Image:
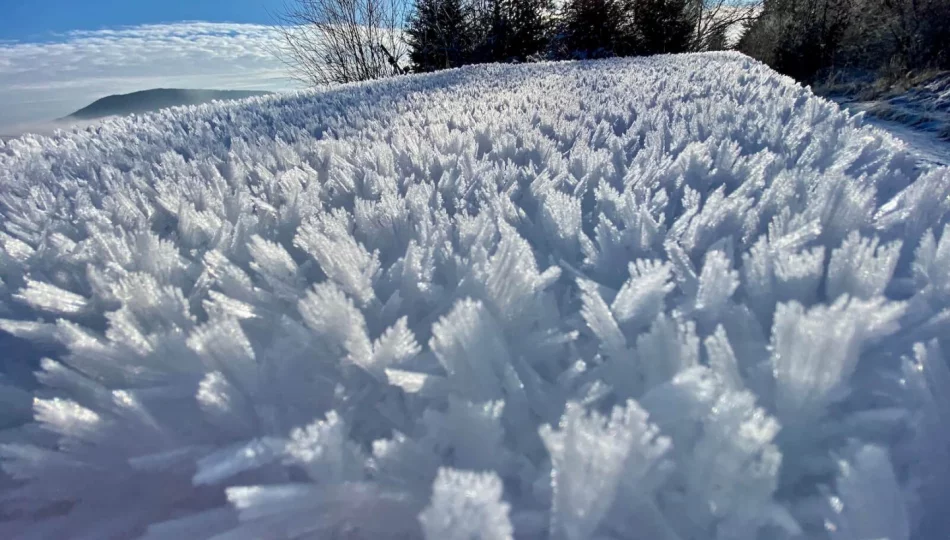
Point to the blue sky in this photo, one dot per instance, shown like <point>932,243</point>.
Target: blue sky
<point>57,56</point>
<point>31,20</point>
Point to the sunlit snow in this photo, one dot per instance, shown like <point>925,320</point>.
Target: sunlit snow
<point>675,298</point>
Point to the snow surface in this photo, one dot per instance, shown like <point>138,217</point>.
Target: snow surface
<point>926,144</point>
<point>676,298</point>
<point>925,105</point>
<point>919,116</point>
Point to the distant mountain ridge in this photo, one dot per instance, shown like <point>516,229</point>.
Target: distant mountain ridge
<point>155,99</point>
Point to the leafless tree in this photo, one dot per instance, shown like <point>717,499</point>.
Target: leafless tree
<point>801,38</point>
<point>920,30</point>
<point>715,20</point>
<point>341,41</point>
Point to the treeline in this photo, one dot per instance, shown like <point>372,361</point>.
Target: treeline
<point>339,41</point>
<point>801,38</point>
<point>807,39</point>
<point>444,34</point>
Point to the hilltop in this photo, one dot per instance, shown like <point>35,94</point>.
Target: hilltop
<point>153,100</point>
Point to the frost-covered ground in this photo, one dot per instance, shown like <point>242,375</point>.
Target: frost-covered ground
<point>926,106</point>
<point>927,144</point>
<point>677,298</point>
<point>919,115</point>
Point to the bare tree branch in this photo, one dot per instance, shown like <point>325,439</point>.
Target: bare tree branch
<point>715,19</point>
<point>341,41</point>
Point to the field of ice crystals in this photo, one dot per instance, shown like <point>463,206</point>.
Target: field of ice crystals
<point>677,298</point>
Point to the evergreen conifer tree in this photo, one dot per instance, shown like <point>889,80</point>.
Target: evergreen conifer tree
<point>439,35</point>
<point>597,28</point>
<point>662,26</point>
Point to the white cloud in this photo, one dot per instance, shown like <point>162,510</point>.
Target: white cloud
<point>43,81</point>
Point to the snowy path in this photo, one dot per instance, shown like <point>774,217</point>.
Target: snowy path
<point>926,145</point>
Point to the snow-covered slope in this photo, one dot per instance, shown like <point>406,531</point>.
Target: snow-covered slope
<point>925,106</point>
<point>919,116</point>
<point>667,298</point>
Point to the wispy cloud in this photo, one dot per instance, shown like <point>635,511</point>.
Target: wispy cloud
<point>46,80</point>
